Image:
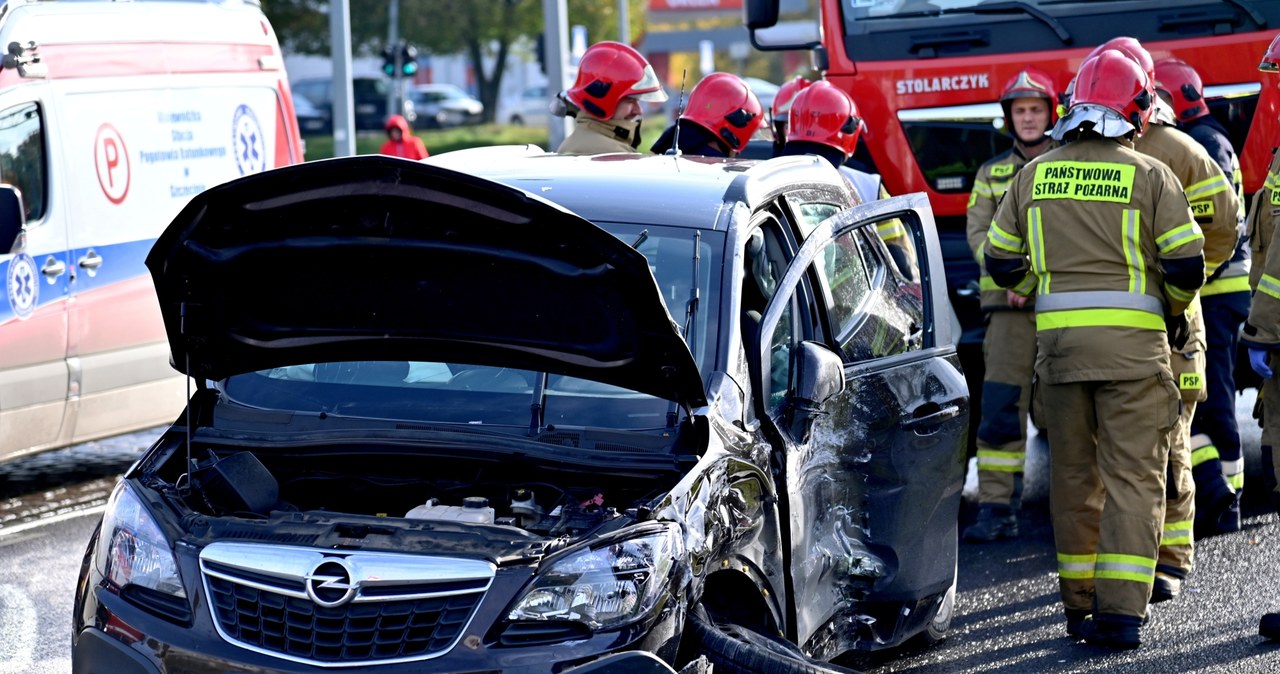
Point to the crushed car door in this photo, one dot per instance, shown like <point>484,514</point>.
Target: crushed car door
<point>873,477</point>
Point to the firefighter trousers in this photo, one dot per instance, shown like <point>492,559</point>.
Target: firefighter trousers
<point>1215,444</point>
<point>1176,547</point>
<point>1109,446</point>
<point>1270,421</point>
<point>1009,354</point>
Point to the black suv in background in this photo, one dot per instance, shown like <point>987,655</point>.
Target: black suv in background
<point>509,411</point>
<point>369,96</point>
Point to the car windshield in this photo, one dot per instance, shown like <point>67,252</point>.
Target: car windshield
<point>506,398</point>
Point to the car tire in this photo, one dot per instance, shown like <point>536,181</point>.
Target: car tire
<point>940,623</point>
<point>740,650</point>
<point>517,120</point>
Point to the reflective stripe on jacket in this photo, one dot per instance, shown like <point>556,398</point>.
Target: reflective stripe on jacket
<point>1263,327</point>
<point>1092,226</point>
<point>989,185</point>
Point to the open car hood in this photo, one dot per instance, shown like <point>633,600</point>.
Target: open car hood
<point>378,258</point>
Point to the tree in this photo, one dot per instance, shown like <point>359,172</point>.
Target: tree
<point>483,30</point>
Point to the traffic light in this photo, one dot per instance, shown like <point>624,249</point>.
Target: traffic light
<point>401,55</point>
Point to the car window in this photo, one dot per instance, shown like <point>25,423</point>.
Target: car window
<point>22,156</point>
<point>470,393</point>
<point>845,285</point>
<point>891,318</point>
<point>810,208</point>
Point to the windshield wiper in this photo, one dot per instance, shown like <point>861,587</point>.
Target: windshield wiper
<point>538,407</point>
<point>1028,8</point>
<point>690,312</point>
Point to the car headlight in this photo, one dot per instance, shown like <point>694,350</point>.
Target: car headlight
<point>132,550</point>
<point>603,587</point>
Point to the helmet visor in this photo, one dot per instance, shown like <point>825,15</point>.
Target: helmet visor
<point>648,89</point>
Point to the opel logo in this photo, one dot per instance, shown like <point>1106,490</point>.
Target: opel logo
<point>329,583</point>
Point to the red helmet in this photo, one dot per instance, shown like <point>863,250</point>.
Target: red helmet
<point>1113,81</point>
<point>609,72</point>
<point>1030,83</point>
<point>786,96</point>
<point>1133,49</point>
<point>1182,83</point>
<point>724,105</point>
<point>1271,60</point>
<point>824,114</point>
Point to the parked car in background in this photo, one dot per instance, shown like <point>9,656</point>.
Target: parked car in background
<point>527,418</point>
<point>311,119</point>
<point>530,108</point>
<point>369,96</point>
<point>443,105</point>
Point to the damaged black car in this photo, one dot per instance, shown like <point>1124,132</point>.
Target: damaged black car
<point>506,411</point>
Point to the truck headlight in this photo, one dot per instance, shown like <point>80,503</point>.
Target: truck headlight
<point>603,587</point>
<point>132,550</point>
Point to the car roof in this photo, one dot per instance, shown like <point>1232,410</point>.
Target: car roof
<point>686,191</point>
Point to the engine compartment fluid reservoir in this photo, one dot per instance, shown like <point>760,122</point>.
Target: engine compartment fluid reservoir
<point>474,509</point>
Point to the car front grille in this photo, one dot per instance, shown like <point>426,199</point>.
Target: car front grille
<point>290,609</point>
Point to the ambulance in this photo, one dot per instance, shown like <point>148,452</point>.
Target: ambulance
<point>113,115</point>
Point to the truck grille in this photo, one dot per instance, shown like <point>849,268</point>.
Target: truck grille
<point>380,613</point>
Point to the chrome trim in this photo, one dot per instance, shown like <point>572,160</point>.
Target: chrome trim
<point>382,570</point>
<point>1232,90</point>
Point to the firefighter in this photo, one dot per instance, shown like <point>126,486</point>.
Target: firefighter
<point>1261,332</point>
<point>1009,345</point>
<point>722,115</point>
<point>824,121</point>
<point>1105,239</point>
<point>613,81</point>
<point>1215,436</point>
<point>782,108</point>
<point>1214,205</point>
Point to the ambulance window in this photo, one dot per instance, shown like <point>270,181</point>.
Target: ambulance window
<point>22,156</point>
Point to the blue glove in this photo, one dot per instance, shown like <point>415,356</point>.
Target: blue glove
<point>1258,361</point>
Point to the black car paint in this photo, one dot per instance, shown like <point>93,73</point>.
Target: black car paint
<point>867,558</point>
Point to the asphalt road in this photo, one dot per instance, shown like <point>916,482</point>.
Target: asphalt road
<point>1008,616</point>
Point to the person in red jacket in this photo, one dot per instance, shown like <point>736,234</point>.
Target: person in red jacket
<point>400,140</point>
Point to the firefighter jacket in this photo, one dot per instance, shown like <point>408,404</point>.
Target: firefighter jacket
<point>592,136</point>
<point>988,186</point>
<point>1262,330</point>
<point>1213,202</point>
<point>1105,238</point>
<point>1234,275</point>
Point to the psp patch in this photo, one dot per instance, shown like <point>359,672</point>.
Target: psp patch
<point>23,283</point>
<point>247,142</point>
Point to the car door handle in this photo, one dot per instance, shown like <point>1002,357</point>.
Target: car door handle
<point>90,262</point>
<point>929,416</point>
<point>53,268</point>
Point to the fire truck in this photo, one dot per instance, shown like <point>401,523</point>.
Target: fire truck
<point>927,77</point>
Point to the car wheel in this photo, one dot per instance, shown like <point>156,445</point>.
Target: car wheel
<point>737,649</point>
<point>936,629</point>
<point>517,120</point>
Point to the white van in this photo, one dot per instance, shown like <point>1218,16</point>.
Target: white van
<point>112,116</point>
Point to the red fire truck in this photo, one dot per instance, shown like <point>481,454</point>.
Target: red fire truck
<point>927,76</point>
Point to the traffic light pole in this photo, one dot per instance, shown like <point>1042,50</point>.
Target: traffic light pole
<point>344,121</point>
<point>393,43</point>
<point>555,24</point>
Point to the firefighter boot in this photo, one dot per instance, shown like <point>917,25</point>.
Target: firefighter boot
<point>1230,519</point>
<point>1269,626</point>
<point>1166,586</point>
<point>994,522</point>
<point>1214,497</point>
<point>1113,631</point>
<point>1075,619</point>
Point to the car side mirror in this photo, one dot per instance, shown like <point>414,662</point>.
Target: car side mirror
<point>819,378</point>
<point>761,14</point>
<point>12,218</point>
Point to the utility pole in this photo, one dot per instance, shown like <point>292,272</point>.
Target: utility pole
<point>393,40</point>
<point>555,25</point>
<point>344,122</point>
<point>624,22</point>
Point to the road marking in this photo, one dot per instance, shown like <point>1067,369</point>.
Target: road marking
<point>18,631</point>
<point>52,519</point>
